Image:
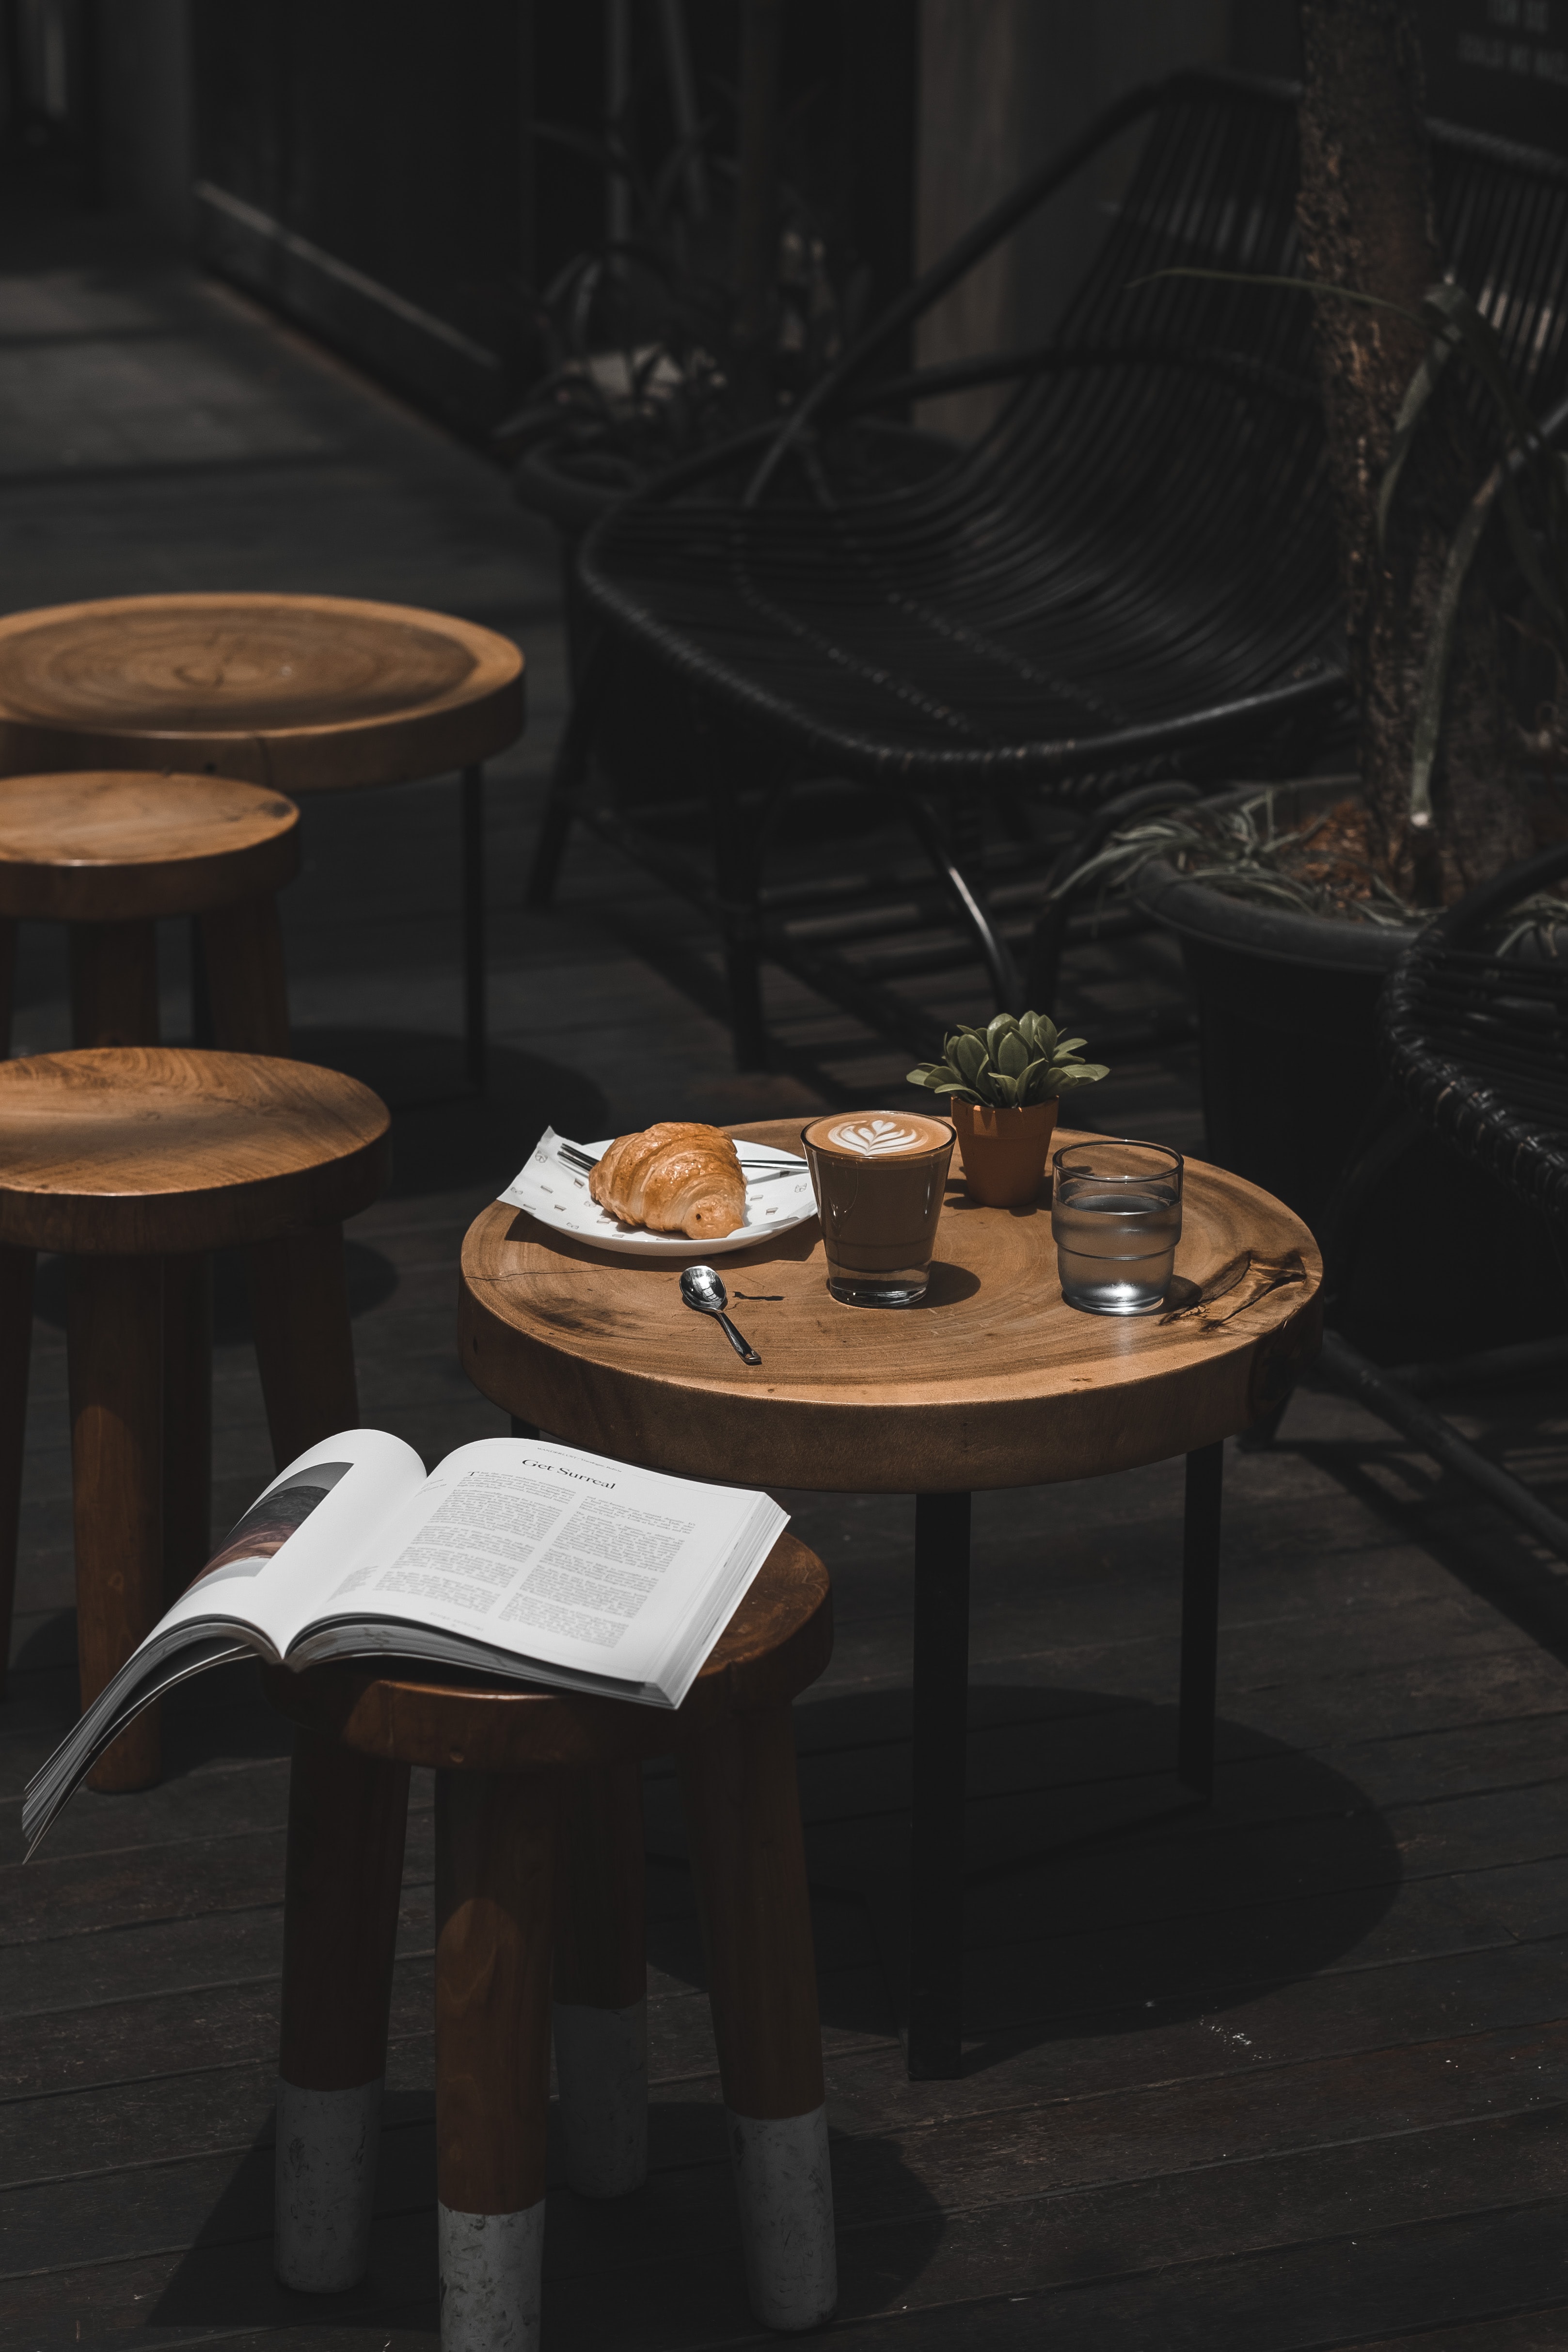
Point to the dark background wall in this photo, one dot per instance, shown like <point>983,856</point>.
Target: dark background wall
<point>370,165</point>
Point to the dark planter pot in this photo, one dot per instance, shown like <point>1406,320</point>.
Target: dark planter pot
<point>1443,1262</point>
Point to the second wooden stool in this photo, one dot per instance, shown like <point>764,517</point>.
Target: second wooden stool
<point>136,1163</point>
<point>110,853</point>
<point>539,1873</point>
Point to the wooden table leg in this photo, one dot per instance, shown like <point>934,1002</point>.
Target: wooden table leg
<point>247,990</point>
<point>601,2015</point>
<point>474,963</point>
<point>9,929</point>
<point>495,1866</point>
<point>187,1420</point>
<point>304,1346</point>
<point>15,1352</point>
<point>743,1810</point>
<point>940,1735</point>
<point>347,1817</point>
<point>114,983</point>
<point>115,1338</point>
<point>1199,1619</point>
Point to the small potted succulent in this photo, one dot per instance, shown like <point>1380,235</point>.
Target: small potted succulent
<point>1002,1083</point>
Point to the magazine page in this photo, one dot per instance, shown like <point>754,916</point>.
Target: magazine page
<point>269,1571</point>
<point>325,1507</point>
<point>539,1549</point>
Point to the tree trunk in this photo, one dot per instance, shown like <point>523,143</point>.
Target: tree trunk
<point>1367,221</point>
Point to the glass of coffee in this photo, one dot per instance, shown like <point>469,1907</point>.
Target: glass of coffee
<point>879,1177</point>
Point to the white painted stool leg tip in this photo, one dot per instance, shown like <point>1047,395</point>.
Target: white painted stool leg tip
<point>324,2174</point>
<point>784,2186</point>
<point>490,2265</point>
<point>601,2068</point>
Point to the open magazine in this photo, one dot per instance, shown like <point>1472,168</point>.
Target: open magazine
<point>517,1557</point>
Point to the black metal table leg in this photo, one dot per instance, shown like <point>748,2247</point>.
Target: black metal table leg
<point>940,1744</point>
<point>474,1038</point>
<point>1199,1619</point>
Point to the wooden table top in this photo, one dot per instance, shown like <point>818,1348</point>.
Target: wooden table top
<point>298,693</point>
<point>991,1381</point>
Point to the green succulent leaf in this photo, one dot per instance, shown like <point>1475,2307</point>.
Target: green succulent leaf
<point>967,1053</point>
<point>1012,1055</point>
<point>1007,1089</point>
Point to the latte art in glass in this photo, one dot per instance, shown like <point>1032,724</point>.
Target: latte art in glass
<point>882,1139</point>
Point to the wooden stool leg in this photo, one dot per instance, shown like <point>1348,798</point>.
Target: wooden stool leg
<point>495,1861</point>
<point>737,1784</point>
<point>247,991</point>
<point>9,929</point>
<point>347,1816</point>
<point>114,984</point>
<point>187,1420</point>
<point>601,2015</point>
<point>115,1338</point>
<point>300,1310</point>
<point>15,1348</point>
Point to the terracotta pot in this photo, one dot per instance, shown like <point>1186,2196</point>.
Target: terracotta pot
<point>1003,1151</point>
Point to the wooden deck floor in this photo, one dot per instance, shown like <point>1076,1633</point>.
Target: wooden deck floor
<point>1288,2073</point>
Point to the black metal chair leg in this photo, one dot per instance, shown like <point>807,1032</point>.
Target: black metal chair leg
<point>567,774</point>
<point>1199,1619</point>
<point>940,1754</point>
<point>474,961</point>
<point>994,953</point>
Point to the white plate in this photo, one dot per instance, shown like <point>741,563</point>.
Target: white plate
<point>558,1195</point>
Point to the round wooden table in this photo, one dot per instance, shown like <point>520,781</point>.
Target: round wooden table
<point>991,1383</point>
<point>300,694</point>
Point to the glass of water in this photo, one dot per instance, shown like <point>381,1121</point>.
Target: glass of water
<point>1116,1211</point>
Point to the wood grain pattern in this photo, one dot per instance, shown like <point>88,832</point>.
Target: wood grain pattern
<point>116,847</point>
<point>494,1869</point>
<point>298,693</point>
<point>169,1149</point>
<point>992,1381</point>
<point>779,1640</point>
<point>740,1796</point>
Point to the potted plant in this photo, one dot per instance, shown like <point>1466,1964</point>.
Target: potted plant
<point>1292,902</point>
<point>1004,1083</point>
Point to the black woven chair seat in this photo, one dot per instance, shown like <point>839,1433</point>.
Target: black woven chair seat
<point>1478,1042</point>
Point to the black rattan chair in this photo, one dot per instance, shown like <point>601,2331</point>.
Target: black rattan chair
<point>1476,1044</point>
<point>1131,575</point>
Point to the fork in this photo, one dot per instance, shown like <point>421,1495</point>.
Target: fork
<point>765,1169</point>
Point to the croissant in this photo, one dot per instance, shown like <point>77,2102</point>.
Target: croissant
<point>678,1177</point>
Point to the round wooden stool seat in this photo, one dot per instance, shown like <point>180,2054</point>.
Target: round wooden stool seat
<point>303,693</point>
<point>117,846</point>
<point>779,1640</point>
<point>133,1151</point>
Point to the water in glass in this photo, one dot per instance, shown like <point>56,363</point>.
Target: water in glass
<point>1115,1246</point>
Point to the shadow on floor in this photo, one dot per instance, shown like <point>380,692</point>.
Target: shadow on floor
<point>662,2265</point>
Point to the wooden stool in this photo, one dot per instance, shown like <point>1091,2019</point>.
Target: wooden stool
<point>538,1871</point>
<point>138,1163</point>
<point>109,854</point>
<point>299,694</point>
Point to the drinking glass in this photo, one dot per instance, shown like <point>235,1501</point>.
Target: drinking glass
<point>1116,1212</point>
<point>879,1179</point>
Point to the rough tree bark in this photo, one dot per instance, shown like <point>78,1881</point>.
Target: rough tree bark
<point>1367,221</point>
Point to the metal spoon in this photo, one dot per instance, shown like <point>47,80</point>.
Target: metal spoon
<point>700,1288</point>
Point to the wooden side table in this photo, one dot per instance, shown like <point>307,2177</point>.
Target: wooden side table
<point>538,1809</point>
<point>991,1383</point>
<point>136,1163</point>
<point>111,854</point>
<point>301,693</point>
